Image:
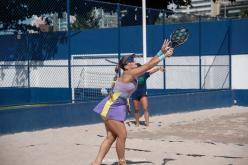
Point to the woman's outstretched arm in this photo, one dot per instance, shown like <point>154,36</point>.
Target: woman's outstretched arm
<point>166,51</point>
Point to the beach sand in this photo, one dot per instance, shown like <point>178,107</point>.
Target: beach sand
<point>206,137</point>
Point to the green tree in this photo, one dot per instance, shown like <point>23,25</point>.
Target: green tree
<point>244,13</point>
<point>14,13</point>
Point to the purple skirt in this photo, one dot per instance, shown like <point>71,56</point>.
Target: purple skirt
<point>115,110</point>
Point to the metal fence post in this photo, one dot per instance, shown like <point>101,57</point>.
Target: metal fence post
<point>229,53</point>
<point>29,57</point>
<point>69,48</point>
<point>27,44</point>
<point>119,32</point>
<point>164,64</point>
<point>200,62</point>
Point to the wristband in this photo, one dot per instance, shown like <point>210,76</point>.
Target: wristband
<point>160,53</point>
<point>162,57</point>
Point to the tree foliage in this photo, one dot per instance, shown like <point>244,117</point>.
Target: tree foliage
<point>244,13</point>
<point>15,13</point>
<point>155,4</point>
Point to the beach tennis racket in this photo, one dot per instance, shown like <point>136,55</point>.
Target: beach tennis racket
<point>179,37</point>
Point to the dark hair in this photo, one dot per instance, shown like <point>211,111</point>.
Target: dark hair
<point>138,64</point>
<point>122,63</point>
<point>125,60</point>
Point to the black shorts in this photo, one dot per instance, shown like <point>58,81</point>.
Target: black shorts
<point>138,97</point>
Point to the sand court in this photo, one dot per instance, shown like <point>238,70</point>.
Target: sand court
<point>213,136</point>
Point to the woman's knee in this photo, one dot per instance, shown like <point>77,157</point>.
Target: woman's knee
<point>111,137</point>
<point>145,110</point>
<point>117,129</point>
<point>122,135</point>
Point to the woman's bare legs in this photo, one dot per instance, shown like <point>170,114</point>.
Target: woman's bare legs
<point>105,146</point>
<point>136,111</point>
<point>118,128</point>
<point>144,103</point>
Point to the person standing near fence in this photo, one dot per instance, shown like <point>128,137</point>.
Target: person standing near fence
<point>140,95</point>
<point>113,108</point>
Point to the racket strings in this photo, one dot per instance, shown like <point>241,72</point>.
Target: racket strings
<point>179,36</point>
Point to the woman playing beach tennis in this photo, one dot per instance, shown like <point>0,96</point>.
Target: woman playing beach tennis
<point>113,108</point>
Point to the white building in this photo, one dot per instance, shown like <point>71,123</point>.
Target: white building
<point>198,7</point>
<point>222,8</point>
<point>233,9</point>
<point>107,19</point>
<point>59,23</point>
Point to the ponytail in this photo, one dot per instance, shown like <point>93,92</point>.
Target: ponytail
<point>117,74</point>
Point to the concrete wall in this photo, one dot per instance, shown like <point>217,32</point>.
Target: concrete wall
<point>65,115</point>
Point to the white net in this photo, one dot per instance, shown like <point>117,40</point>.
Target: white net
<point>92,75</point>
